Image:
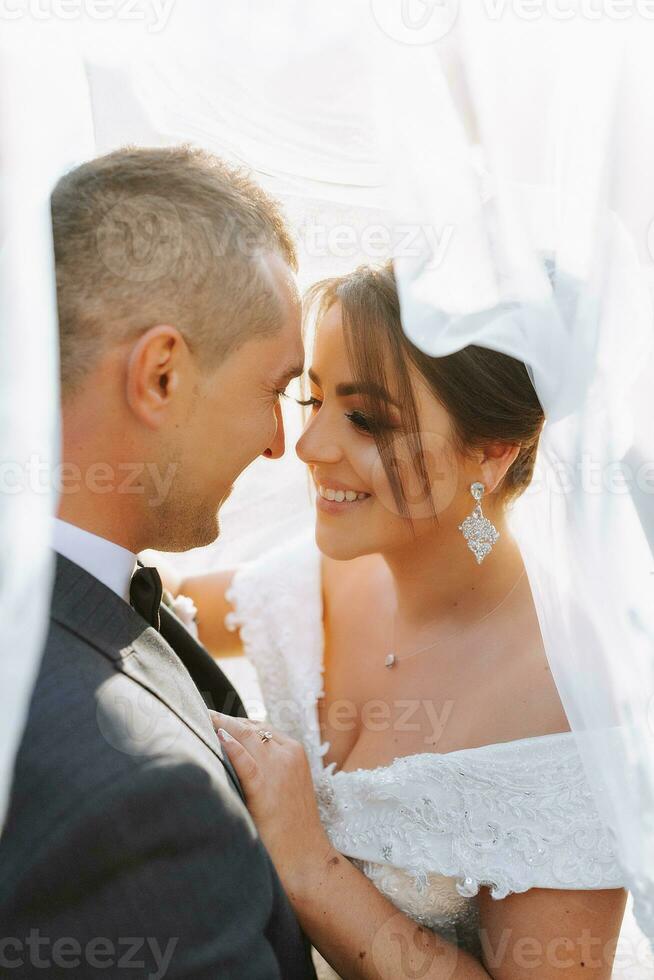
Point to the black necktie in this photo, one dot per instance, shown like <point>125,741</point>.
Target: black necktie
<point>145,593</point>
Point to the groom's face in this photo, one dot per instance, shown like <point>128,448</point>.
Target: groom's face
<point>232,417</point>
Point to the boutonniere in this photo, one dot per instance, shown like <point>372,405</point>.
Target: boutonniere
<point>185,610</point>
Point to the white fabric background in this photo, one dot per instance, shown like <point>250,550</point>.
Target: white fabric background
<point>288,90</point>
<point>37,139</point>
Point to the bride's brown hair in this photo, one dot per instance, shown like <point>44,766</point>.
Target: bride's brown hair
<point>488,395</point>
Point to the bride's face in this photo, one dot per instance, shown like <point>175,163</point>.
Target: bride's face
<point>346,464</point>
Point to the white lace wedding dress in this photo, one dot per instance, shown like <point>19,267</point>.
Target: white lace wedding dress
<point>427,829</point>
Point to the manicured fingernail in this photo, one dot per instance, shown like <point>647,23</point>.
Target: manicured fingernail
<point>224,736</point>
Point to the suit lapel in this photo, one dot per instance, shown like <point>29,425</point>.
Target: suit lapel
<point>89,609</point>
<point>155,666</point>
<point>216,689</point>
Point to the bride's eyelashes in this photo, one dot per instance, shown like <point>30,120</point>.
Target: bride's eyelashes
<point>361,421</point>
<point>358,419</point>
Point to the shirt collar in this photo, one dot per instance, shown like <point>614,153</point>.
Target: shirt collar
<point>110,563</point>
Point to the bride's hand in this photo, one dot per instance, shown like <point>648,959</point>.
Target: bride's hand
<point>278,788</point>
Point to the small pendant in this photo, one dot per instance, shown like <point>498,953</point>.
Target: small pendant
<point>390,660</point>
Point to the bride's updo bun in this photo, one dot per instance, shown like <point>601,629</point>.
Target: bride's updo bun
<point>489,396</point>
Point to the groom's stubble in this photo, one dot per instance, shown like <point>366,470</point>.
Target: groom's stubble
<point>178,511</point>
<point>187,519</point>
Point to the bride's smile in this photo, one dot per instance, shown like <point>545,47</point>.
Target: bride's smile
<point>334,498</point>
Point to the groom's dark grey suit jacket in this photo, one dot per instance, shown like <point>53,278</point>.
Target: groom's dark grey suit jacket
<point>128,850</point>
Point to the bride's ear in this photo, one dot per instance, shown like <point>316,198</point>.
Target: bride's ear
<point>497,458</point>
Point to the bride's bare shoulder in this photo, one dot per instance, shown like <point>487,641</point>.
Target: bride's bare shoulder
<point>521,682</point>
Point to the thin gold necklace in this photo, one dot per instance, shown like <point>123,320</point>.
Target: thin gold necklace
<point>392,659</point>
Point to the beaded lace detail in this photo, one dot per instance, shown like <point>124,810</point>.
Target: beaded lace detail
<point>512,816</point>
<point>429,829</point>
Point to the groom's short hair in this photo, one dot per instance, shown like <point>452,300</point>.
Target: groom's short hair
<point>167,235</point>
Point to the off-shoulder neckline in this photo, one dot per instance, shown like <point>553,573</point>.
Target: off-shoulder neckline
<point>400,759</point>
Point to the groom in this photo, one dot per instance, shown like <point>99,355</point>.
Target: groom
<point>128,850</point>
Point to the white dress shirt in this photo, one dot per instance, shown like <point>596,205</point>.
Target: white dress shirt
<point>112,564</point>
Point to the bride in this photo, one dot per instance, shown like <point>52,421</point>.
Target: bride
<point>416,782</point>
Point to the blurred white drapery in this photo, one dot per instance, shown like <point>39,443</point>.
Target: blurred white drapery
<point>486,140</point>
<point>44,127</point>
<point>549,213</point>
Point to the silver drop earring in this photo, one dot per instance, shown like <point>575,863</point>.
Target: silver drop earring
<point>480,533</point>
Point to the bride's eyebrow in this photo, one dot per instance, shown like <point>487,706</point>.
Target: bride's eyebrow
<point>369,388</point>
<point>345,389</point>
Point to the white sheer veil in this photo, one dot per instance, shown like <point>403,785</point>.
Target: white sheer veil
<point>545,261</point>
<point>41,132</point>
<point>497,142</point>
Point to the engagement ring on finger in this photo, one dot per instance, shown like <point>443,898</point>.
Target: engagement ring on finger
<point>264,736</point>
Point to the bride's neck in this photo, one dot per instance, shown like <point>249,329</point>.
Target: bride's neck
<point>436,576</point>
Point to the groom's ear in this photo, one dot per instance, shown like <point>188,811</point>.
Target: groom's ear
<point>154,368</point>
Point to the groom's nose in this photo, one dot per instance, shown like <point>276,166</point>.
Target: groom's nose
<point>276,448</point>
